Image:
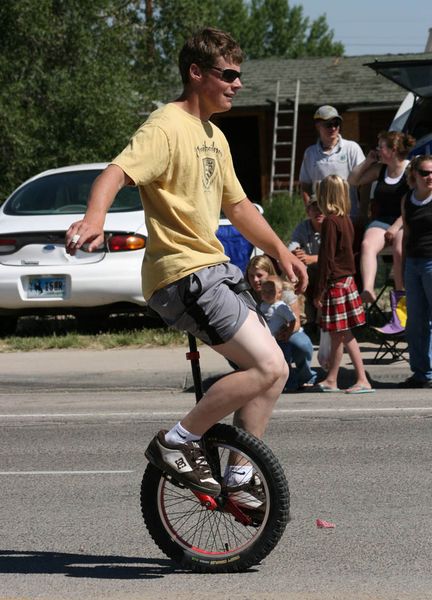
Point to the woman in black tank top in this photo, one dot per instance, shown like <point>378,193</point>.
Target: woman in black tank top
<point>417,225</point>
<point>386,165</point>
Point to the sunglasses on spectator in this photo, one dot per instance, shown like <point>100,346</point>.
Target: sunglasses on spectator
<point>332,124</point>
<point>228,75</point>
<point>423,172</point>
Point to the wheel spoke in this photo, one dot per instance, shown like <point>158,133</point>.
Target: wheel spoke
<point>198,527</point>
<point>212,538</point>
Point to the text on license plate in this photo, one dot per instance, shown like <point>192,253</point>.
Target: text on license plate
<point>46,287</point>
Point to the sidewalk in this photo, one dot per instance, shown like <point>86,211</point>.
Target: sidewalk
<point>150,368</point>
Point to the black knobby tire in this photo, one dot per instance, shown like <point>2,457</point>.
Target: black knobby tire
<point>208,541</point>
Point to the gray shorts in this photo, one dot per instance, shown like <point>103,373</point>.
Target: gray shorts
<point>205,304</point>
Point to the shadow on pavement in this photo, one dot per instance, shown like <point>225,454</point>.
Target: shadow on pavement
<point>346,378</point>
<point>84,565</point>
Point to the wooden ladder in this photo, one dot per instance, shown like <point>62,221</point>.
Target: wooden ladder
<point>284,142</point>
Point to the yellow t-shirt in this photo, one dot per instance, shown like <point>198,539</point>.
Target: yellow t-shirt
<point>184,171</point>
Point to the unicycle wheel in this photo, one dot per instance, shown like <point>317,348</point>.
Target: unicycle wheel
<point>218,535</point>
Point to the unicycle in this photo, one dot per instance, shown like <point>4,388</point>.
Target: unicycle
<point>217,535</point>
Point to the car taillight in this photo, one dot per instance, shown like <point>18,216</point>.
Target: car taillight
<point>122,243</point>
<point>7,245</point>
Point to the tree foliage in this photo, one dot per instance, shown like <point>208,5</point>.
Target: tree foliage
<point>66,91</point>
<point>77,76</point>
<point>276,29</point>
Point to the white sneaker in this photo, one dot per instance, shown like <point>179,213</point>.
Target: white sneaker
<point>185,462</point>
<point>248,495</point>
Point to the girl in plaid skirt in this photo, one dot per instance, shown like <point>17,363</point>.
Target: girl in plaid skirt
<point>336,292</point>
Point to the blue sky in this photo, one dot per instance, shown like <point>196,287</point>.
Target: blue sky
<point>375,26</point>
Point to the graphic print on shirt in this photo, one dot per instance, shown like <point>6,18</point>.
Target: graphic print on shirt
<point>209,166</point>
<point>208,155</point>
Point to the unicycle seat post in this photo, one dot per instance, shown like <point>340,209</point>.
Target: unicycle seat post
<point>193,356</point>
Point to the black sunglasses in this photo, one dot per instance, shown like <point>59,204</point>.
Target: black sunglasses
<point>331,124</point>
<point>423,172</point>
<point>228,75</point>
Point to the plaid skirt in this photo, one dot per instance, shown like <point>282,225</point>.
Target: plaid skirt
<point>342,307</point>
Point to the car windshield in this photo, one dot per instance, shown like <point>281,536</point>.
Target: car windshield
<point>65,193</point>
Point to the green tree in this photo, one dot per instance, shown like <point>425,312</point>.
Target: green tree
<point>264,28</point>
<point>77,77</point>
<point>67,92</point>
<point>275,29</point>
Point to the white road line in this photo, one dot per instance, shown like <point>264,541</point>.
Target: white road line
<point>75,415</point>
<point>64,472</point>
<point>156,414</point>
<point>354,410</point>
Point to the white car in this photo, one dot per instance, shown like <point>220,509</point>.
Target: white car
<point>37,276</point>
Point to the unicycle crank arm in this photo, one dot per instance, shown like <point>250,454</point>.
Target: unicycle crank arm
<point>206,501</point>
<point>237,513</point>
<point>230,507</point>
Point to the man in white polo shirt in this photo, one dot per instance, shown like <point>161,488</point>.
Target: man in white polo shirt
<point>331,155</point>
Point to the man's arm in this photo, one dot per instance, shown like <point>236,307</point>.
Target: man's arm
<point>252,225</point>
<point>102,194</point>
<point>306,178</point>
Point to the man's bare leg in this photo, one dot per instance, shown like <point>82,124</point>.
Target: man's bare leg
<point>250,393</point>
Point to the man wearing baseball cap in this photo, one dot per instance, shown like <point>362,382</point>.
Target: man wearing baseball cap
<point>331,155</point>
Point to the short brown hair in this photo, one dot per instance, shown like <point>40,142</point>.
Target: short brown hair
<point>400,142</point>
<point>204,48</point>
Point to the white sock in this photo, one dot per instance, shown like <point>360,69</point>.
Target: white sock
<point>179,435</point>
<point>237,475</point>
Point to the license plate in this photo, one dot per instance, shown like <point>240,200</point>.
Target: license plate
<point>46,287</point>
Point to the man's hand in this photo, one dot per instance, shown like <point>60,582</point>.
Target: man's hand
<point>90,229</point>
<point>301,254</point>
<point>307,259</point>
<point>295,270</point>
<point>83,232</point>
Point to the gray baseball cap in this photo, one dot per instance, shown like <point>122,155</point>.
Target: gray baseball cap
<point>327,112</point>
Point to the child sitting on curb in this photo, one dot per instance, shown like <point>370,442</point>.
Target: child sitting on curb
<point>295,345</point>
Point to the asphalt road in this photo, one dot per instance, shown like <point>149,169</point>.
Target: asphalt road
<point>71,463</point>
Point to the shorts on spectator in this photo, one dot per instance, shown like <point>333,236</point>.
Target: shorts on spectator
<point>381,223</point>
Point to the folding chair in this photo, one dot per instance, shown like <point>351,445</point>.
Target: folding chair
<point>391,336</point>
